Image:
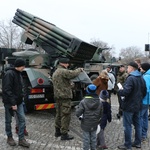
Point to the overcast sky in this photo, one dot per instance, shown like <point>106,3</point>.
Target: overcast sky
<point>120,23</point>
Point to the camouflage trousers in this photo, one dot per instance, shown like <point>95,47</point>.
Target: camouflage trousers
<point>63,115</point>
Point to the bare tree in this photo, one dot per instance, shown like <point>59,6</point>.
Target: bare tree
<point>130,53</point>
<point>10,35</point>
<point>104,50</point>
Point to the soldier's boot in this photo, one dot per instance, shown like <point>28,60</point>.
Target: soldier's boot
<point>11,141</point>
<point>66,136</point>
<point>57,132</point>
<point>24,143</point>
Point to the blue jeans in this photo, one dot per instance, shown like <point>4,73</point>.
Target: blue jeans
<point>21,119</point>
<point>144,121</point>
<point>130,118</point>
<point>89,140</point>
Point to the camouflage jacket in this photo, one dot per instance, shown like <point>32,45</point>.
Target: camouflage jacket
<point>121,77</point>
<point>62,82</point>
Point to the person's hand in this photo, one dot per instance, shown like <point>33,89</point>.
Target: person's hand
<point>14,107</point>
<point>81,69</point>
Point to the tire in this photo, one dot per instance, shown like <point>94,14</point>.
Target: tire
<point>93,77</point>
<point>28,106</point>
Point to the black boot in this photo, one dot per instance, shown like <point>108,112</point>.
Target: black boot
<point>66,137</point>
<point>57,132</point>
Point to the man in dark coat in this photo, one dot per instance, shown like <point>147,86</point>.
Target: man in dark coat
<point>63,95</point>
<point>132,93</point>
<point>12,84</point>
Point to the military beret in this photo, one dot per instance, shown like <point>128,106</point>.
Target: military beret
<point>64,60</point>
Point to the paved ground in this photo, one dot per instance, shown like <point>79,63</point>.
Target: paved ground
<point>40,125</point>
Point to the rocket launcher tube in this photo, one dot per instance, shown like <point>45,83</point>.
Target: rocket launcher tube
<point>36,32</point>
<point>46,24</point>
<point>47,31</point>
<point>42,32</point>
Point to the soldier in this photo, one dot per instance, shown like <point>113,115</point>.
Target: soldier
<point>121,77</point>
<point>63,94</point>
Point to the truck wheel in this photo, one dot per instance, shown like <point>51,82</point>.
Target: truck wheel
<point>93,77</point>
<point>29,107</point>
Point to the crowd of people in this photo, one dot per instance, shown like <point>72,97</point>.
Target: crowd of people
<point>94,110</point>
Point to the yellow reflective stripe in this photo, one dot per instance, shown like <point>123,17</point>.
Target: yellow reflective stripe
<point>88,97</point>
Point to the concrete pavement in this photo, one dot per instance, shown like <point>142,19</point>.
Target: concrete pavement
<point>40,125</point>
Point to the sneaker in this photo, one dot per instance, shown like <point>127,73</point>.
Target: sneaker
<point>118,116</point>
<point>143,139</point>
<point>16,129</point>
<point>136,145</point>
<point>24,143</point>
<point>102,147</point>
<point>66,137</point>
<point>25,132</point>
<point>11,141</point>
<point>123,147</point>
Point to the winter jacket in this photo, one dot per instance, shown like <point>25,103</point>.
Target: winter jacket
<point>106,114</point>
<point>134,90</point>
<point>62,82</point>
<point>146,76</point>
<point>12,87</point>
<point>121,77</point>
<point>111,81</point>
<point>101,83</point>
<point>91,109</point>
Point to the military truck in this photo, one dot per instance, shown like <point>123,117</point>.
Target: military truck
<point>54,43</point>
<point>50,43</point>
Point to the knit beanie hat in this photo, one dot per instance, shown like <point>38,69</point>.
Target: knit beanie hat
<point>145,66</point>
<point>104,95</point>
<point>133,64</point>
<point>91,89</point>
<point>19,62</point>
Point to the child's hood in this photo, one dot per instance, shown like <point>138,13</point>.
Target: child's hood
<point>92,102</point>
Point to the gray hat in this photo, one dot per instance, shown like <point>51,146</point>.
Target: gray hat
<point>133,64</point>
<point>19,62</point>
<point>104,94</point>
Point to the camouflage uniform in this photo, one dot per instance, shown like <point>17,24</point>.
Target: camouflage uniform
<point>63,95</point>
<point>121,77</point>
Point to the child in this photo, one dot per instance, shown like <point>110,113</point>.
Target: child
<point>90,108</point>
<point>104,95</point>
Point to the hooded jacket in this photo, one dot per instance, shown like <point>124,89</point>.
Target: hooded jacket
<point>134,90</point>
<point>101,82</point>
<point>12,84</point>
<point>91,109</point>
<point>146,76</point>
